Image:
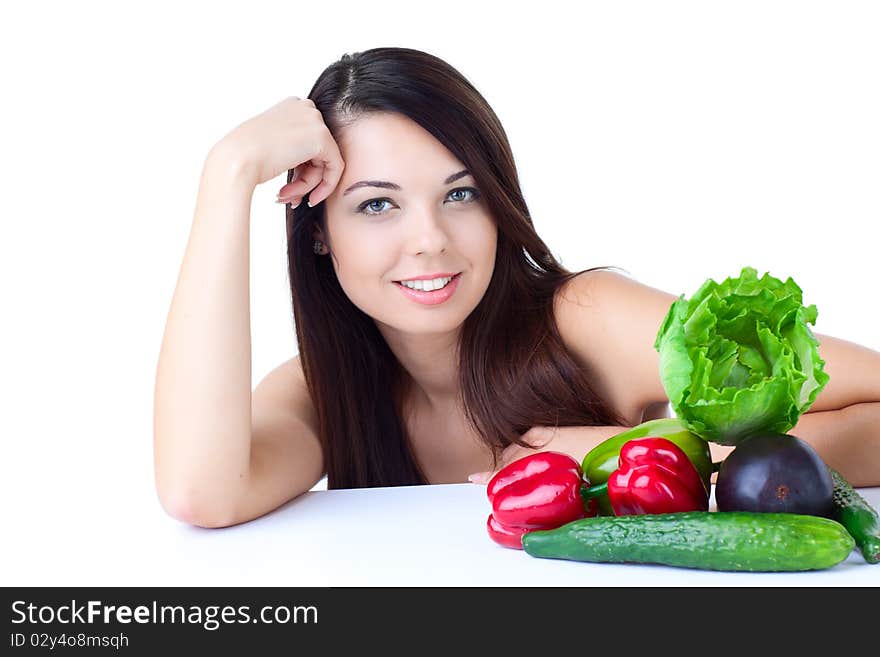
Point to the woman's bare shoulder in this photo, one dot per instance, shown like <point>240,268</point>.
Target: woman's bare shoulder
<point>609,321</point>
<point>284,387</point>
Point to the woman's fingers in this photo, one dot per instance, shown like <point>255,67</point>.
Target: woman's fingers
<point>508,455</point>
<point>321,174</point>
<point>480,477</point>
<point>332,173</point>
<point>309,176</point>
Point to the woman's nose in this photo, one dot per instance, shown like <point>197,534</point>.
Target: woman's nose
<point>428,232</point>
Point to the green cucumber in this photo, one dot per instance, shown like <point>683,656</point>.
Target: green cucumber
<point>855,513</point>
<point>709,540</point>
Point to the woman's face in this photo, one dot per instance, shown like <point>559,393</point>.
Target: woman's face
<point>378,236</point>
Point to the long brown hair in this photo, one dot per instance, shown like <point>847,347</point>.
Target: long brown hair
<point>515,372</point>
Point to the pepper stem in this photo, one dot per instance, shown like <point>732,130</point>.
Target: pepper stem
<point>588,493</point>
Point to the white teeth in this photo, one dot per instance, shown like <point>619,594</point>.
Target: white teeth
<point>427,286</point>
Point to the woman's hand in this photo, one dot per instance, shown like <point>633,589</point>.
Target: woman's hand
<point>289,135</point>
<point>574,441</point>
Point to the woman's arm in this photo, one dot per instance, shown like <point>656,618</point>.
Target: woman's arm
<point>853,371</point>
<point>202,397</point>
<point>843,424</point>
<point>609,322</point>
<point>847,439</point>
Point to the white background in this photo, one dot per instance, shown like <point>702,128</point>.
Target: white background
<point>677,140</point>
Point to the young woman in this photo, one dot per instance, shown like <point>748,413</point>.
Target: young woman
<point>398,172</point>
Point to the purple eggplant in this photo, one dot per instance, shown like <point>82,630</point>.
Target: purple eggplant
<point>775,472</point>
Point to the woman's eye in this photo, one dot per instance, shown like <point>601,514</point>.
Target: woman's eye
<point>374,206</point>
<point>474,193</point>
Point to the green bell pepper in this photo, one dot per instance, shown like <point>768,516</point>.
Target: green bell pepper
<point>603,459</point>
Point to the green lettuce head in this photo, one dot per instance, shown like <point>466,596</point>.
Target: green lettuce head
<point>738,358</point>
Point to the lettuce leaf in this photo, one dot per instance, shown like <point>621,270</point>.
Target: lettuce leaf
<point>739,358</point>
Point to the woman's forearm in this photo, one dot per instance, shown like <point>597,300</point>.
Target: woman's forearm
<point>575,441</point>
<point>847,439</point>
<point>202,406</point>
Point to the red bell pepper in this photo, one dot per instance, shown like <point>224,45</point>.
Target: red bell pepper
<point>539,491</point>
<point>655,476</point>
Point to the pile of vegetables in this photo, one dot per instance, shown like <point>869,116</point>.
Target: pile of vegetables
<point>740,365</point>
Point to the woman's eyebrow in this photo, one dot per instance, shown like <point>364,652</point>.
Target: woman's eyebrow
<point>390,185</point>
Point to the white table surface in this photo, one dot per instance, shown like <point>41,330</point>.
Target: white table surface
<point>401,536</point>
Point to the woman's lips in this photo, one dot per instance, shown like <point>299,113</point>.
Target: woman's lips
<point>433,297</point>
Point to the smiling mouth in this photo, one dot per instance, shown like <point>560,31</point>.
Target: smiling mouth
<point>454,277</point>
